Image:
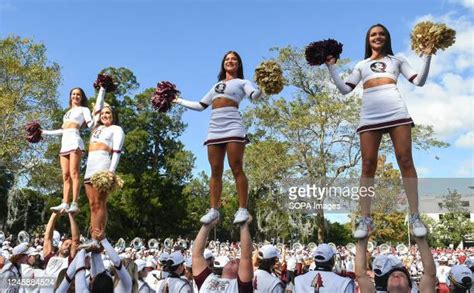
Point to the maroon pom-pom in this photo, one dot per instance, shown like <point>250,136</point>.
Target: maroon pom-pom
<point>162,98</point>
<point>106,82</point>
<point>317,52</point>
<point>33,132</point>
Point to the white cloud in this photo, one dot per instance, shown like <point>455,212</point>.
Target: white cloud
<point>447,99</point>
<point>466,3</point>
<point>467,168</point>
<point>423,171</point>
<point>466,140</point>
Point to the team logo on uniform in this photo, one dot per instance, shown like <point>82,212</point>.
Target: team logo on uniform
<point>317,283</point>
<point>378,67</point>
<point>96,133</point>
<point>220,87</point>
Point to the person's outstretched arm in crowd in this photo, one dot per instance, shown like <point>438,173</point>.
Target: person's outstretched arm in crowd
<point>365,284</point>
<point>245,264</point>
<point>48,235</point>
<point>75,234</point>
<point>199,262</point>
<point>428,280</point>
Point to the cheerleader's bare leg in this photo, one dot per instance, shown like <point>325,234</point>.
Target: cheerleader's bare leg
<point>369,146</point>
<point>235,156</point>
<point>216,155</point>
<point>401,139</point>
<point>65,168</point>
<point>74,162</point>
<point>98,207</point>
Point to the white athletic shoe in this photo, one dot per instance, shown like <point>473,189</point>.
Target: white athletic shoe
<point>73,208</point>
<point>241,216</point>
<point>60,208</point>
<point>211,215</point>
<point>364,226</point>
<point>89,245</point>
<point>417,226</point>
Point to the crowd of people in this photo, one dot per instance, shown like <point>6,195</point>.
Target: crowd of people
<point>55,263</point>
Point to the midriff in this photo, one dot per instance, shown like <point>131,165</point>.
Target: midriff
<point>70,124</point>
<point>99,146</point>
<point>378,81</point>
<point>221,102</point>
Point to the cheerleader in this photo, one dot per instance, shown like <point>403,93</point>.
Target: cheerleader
<point>72,147</point>
<point>383,111</point>
<point>104,154</point>
<point>227,134</point>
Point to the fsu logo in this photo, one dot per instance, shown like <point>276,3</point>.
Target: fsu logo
<point>378,67</point>
<point>220,87</point>
<point>317,283</point>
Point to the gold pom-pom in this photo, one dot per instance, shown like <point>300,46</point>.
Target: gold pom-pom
<point>269,77</point>
<point>427,34</point>
<point>105,181</point>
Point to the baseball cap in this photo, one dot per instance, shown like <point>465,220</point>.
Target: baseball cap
<point>221,261</point>
<point>323,253</point>
<point>385,263</point>
<point>22,248</point>
<point>269,251</point>
<point>460,277</point>
<point>176,258</point>
<point>140,264</point>
<point>208,254</point>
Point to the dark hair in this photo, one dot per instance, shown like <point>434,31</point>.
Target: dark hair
<point>403,270</point>
<point>387,47</point>
<point>325,265</point>
<point>115,116</point>
<point>240,70</point>
<point>267,264</point>
<point>83,99</point>
<point>102,283</point>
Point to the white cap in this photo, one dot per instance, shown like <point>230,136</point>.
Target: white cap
<point>385,263</point>
<point>176,258</point>
<point>269,251</point>
<point>457,274</point>
<point>150,262</point>
<point>221,261</point>
<point>140,264</point>
<point>189,262</point>
<point>164,256</point>
<point>323,252</point>
<point>208,254</point>
<point>22,248</point>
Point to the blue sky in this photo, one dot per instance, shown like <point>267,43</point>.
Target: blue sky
<point>184,41</point>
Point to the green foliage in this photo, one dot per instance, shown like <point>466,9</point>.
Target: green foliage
<point>339,234</point>
<point>391,227</point>
<point>452,226</point>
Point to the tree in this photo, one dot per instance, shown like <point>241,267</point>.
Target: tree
<point>453,225</point>
<point>316,125</point>
<point>28,91</point>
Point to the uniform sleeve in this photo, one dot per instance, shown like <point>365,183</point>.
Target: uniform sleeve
<point>349,84</point>
<point>251,91</point>
<point>414,77</point>
<point>122,273</point>
<point>99,104</point>
<point>52,132</point>
<point>117,144</point>
<point>197,106</point>
<point>87,117</point>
